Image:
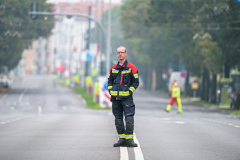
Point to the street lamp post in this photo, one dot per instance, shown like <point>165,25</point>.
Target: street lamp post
<point>108,39</point>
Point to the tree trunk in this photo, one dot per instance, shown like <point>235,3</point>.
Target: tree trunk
<point>237,103</point>
<point>227,70</point>
<point>214,89</point>
<point>154,80</point>
<point>149,78</point>
<point>159,79</point>
<point>207,86</point>
<point>187,87</point>
<point>203,85</point>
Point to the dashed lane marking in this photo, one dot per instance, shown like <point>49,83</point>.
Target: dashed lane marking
<point>83,100</point>
<point>220,122</point>
<point>15,103</point>
<point>39,110</point>
<point>3,96</point>
<point>64,108</point>
<point>21,96</point>
<point>177,122</point>
<point>14,119</point>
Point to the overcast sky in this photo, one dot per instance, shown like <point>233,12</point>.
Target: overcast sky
<point>73,1</point>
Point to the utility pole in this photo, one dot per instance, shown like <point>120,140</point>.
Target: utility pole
<point>88,63</point>
<point>108,39</point>
<point>70,55</point>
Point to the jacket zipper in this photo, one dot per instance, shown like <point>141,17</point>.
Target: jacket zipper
<point>121,79</point>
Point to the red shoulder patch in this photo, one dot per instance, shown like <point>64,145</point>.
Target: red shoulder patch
<point>115,65</point>
<point>134,69</point>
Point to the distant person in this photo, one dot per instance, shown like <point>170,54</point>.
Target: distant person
<point>229,93</point>
<point>175,97</point>
<point>122,82</point>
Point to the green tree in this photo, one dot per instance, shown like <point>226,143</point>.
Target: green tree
<point>149,44</point>
<point>18,29</point>
<point>222,19</point>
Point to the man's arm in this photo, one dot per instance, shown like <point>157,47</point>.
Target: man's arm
<point>110,80</point>
<point>135,79</point>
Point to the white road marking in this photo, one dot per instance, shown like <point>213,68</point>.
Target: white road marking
<point>39,110</point>
<point>84,101</point>
<point>224,123</point>
<point>15,119</point>
<point>11,103</point>
<point>124,153</point>
<point>21,96</point>
<point>180,122</point>
<point>4,96</point>
<point>177,122</point>
<point>137,150</point>
<point>165,119</point>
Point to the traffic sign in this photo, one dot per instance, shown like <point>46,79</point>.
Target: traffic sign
<point>89,57</point>
<point>238,1</point>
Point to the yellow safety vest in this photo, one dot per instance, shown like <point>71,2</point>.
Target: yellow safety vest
<point>176,92</point>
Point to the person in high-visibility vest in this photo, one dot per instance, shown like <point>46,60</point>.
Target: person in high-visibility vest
<point>122,82</point>
<point>175,97</point>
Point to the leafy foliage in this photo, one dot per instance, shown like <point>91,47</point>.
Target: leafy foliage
<point>18,29</point>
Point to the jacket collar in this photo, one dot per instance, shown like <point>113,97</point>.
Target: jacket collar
<point>124,64</point>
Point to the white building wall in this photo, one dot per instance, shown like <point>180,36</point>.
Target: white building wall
<point>67,33</point>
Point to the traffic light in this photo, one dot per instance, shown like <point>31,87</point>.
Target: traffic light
<point>74,47</point>
<point>34,8</point>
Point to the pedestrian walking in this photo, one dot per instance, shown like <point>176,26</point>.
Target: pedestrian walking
<point>175,97</point>
<point>122,82</point>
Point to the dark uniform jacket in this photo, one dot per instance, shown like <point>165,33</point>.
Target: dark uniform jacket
<point>123,81</point>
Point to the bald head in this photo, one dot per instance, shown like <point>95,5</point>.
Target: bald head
<point>121,47</point>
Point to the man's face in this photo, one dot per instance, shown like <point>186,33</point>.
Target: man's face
<point>121,53</point>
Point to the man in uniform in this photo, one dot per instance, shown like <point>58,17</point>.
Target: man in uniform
<point>122,82</point>
<point>175,97</point>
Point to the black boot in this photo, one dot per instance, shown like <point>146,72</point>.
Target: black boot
<point>131,143</point>
<point>120,143</point>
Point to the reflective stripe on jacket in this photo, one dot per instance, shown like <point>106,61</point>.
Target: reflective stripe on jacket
<point>176,90</point>
<point>122,81</point>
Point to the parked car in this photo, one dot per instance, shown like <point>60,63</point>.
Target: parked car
<point>5,81</point>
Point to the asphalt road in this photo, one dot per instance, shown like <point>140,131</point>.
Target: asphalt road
<point>39,121</point>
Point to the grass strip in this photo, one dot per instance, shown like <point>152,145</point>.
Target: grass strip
<point>88,98</point>
<point>163,92</point>
<point>61,83</point>
<point>207,104</point>
<point>236,112</point>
